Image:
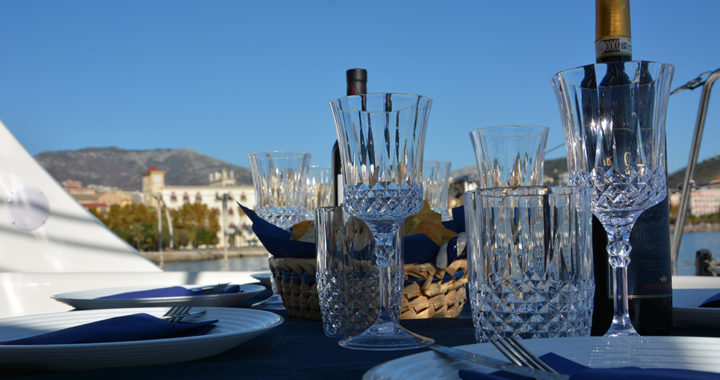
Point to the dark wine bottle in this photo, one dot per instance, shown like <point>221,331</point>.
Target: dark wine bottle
<point>649,272</point>
<point>356,85</point>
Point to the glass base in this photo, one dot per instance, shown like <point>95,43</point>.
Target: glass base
<point>275,302</point>
<point>386,336</point>
<point>621,327</point>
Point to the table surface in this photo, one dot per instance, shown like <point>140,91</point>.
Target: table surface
<point>298,349</point>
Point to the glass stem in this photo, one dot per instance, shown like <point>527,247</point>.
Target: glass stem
<point>387,255</point>
<point>619,257</point>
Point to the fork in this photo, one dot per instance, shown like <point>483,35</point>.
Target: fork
<point>177,313</point>
<point>518,354</point>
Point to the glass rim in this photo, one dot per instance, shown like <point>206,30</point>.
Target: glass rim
<point>271,153</point>
<point>540,129</point>
<point>562,73</point>
<point>336,101</point>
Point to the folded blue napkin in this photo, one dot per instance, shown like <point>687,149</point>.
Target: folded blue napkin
<point>418,248</point>
<point>581,372</point>
<point>276,240</point>
<point>713,301</point>
<point>172,291</point>
<point>139,326</point>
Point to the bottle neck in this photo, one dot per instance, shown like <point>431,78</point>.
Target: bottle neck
<point>613,40</point>
<point>356,88</point>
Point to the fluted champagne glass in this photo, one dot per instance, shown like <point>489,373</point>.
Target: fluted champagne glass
<point>615,140</point>
<point>381,139</point>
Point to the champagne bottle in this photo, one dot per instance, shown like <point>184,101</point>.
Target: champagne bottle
<point>649,272</point>
<point>356,85</point>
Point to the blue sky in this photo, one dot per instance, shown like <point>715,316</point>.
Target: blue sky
<point>227,78</point>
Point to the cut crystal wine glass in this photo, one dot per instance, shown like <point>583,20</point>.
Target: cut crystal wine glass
<point>381,138</point>
<point>279,179</point>
<point>615,139</point>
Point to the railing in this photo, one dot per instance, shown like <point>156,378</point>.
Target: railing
<point>707,85</point>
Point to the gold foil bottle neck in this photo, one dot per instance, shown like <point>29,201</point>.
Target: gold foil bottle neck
<point>612,19</point>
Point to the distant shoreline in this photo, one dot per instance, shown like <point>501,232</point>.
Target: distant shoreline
<point>203,254</point>
<point>699,227</point>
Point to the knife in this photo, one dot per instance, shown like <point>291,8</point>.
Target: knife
<point>487,361</point>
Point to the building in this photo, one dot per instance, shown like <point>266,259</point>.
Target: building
<point>704,199</point>
<point>96,197</point>
<point>221,195</point>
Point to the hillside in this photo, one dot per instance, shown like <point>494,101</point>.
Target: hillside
<point>124,168</point>
<point>705,172</point>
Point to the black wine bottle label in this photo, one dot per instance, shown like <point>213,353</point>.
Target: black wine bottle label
<point>649,259</point>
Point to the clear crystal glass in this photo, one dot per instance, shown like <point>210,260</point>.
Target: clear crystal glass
<point>279,178</point>
<point>510,155</point>
<point>381,139</point>
<point>347,275</point>
<point>318,189</point>
<point>614,120</point>
<point>530,262</point>
<point>436,177</point>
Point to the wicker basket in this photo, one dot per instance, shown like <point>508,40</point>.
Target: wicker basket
<point>429,292</point>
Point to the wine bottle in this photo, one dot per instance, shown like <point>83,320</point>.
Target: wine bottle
<point>356,85</point>
<point>649,271</point>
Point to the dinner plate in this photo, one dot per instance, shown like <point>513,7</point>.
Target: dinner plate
<point>695,353</point>
<point>687,311</point>
<point>263,277</point>
<point>90,299</point>
<point>234,327</point>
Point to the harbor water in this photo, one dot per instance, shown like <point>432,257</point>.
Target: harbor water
<point>691,243</point>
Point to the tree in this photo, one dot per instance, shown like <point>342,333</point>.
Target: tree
<point>195,224</point>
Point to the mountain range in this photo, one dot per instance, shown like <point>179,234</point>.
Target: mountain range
<point>123,168</point>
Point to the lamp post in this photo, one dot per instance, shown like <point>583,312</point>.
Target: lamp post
<point>161,204</point>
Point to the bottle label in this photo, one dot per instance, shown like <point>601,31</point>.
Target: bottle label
<point>613,46</point>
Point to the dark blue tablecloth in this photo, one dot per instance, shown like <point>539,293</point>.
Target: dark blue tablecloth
<point>297,349</point>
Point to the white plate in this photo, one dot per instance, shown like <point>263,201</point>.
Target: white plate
<point>90,299</point>
<point>687,311</point>
<point>263,277</point>
<point>701,354</point>
<point>234,327</point>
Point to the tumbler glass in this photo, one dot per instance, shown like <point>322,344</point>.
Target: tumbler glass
<point>347,276</point>
<point>530,261</point>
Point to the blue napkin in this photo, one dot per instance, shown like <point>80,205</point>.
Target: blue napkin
<point>581,372</point>
<point>276,240</point>
<point>418,248</point>
<point>139,326</point>
<point>173,291</point>
<point>713,301</point>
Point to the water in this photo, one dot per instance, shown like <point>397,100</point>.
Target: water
<point>240,264</point>
<point>691,243</point>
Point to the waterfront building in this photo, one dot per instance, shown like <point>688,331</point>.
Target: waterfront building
<point>221,195</point>
<point>704,199</point>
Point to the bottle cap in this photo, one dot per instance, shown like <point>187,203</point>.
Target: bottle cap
<point>357,75</point>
